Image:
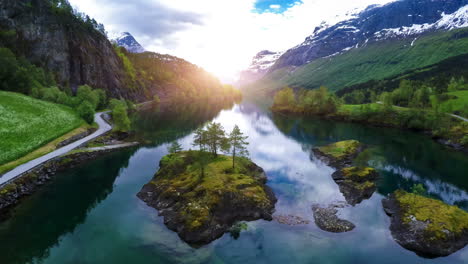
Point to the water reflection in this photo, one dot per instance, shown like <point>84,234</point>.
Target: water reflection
<point>104,222</point>
<point>57,209</point>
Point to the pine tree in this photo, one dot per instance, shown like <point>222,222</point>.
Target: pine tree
<point>174,147</point>
<point>215,138</point>
<point>237,144</point>
<point>200,139</point>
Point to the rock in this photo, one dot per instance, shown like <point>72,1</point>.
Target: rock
<point>426,226</point>
<point>327,220</point>
<point>339,154</point>
<point>356,183</point>
<point>290,220</point>
<point>202,208</point>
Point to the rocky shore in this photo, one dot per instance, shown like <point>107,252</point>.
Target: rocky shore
<point>201,208</point>
<point>326,219</point>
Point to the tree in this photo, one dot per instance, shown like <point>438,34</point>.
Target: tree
<point>284,98</point>
<point>215,137</point>
<point>86,111</point>
<point>174,147</point>
<point>86,93</point>
<point>237,144</point>
<point>200,139</point>
<point>120,117</point>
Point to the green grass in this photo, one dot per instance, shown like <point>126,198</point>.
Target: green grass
<point>26,124</point>
<point>374,62</point>
<point>458,105</point>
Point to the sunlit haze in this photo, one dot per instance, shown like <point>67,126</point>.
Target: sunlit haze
<point>220,35</point>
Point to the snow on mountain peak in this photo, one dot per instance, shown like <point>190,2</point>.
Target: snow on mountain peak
<point>127,41</point>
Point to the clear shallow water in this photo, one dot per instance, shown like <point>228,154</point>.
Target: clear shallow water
<point>92,214</point>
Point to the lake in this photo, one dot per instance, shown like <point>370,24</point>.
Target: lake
<point>92,215</point>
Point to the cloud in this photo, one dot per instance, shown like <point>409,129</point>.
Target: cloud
<point>220,35</point>
<point>275,6</point>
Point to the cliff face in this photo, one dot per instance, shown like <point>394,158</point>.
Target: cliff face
<point>60,43</point>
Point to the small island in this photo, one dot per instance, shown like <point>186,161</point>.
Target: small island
<point>339,154</point>
<point>202,194</point>
<point>426,226</point>
<point>356,183</point>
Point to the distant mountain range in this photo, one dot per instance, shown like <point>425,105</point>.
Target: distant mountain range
<point>127,41</point>
<point>401,23</point>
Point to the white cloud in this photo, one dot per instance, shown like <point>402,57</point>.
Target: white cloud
<point>220,35</point>
<point>275,6</point>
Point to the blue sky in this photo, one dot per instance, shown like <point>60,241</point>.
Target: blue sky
<point>275,6</point>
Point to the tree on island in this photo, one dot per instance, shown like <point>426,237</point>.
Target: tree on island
<point>174,147</point>
<point>215,138</point>
<point>237,144</point>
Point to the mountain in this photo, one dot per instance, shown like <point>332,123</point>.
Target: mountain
<point>50,36</point>
<point>127,41</point>
<point>259,66</point>
<point>46,43</point>
<point>400,19</point>
<point>376,43</point>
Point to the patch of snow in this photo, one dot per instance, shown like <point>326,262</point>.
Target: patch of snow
<point>412,42</point>
<point>458,19</point>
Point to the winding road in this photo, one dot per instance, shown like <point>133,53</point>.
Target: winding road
<point>103,128</point>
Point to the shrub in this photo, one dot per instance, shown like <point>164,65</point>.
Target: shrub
<point>120,118</point>
<point>86,111</point>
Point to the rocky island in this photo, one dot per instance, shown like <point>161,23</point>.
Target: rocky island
<point>426,226</point>
<point>356,183</point>
<point>339,154</point>
<point>202,207</point>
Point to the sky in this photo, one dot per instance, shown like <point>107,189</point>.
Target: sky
<point>221,36</point>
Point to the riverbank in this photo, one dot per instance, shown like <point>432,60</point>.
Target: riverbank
<point>27,183</point>
<point>442,128</point>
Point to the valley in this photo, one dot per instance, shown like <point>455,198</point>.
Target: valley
<point>349,147</point>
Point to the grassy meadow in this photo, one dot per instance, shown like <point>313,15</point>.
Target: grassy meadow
<point>27,124</point>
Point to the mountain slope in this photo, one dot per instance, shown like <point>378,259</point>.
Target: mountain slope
<point>400,19</point>
<point>375,61</point>
<point>127,41</point>
<point>379,42</point>
<point>259,66</point>
<point>49,35</point>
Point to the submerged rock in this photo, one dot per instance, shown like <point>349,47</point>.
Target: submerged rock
<point>202,208</point>
<point>339,154</point>
<point>291,220</point>
<point>327,220</point>
<point>426,226</point>
<point>356,183</point>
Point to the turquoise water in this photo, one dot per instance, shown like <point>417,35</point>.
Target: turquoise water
<point>92,214</point>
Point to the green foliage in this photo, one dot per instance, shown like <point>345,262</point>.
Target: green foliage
<point>237,228</point>
<point>174,147</point>
<point>237,143</point>
<point>86,111</point>
<point>86,93</point>
<point>26,124</point>
<point>315,102</point>
<point>18,75</point>
<point>156,99</point>
<point>418,189</point>
<point>284,98</point>
<point>120,115</point>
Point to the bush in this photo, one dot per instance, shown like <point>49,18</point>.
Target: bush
<point>120,118</point>
<point>86,111</point>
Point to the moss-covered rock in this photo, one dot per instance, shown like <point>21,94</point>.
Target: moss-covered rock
<point>327,219</point>
<point>356,183</point>
<point>202,208</point>
<point>426,226</point>
<point>339,154</point>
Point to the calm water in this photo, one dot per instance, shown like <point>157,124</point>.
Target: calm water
<point>92,215</point>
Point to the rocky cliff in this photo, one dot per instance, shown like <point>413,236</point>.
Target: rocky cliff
<point>52,37</point>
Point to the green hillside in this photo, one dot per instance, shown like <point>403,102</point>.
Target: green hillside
<point>26,124</point>
<point>373,62</point>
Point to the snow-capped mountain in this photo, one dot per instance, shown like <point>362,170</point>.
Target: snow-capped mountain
<point>399,19</point>
<point>259,66</point>
<point>127,41</point>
